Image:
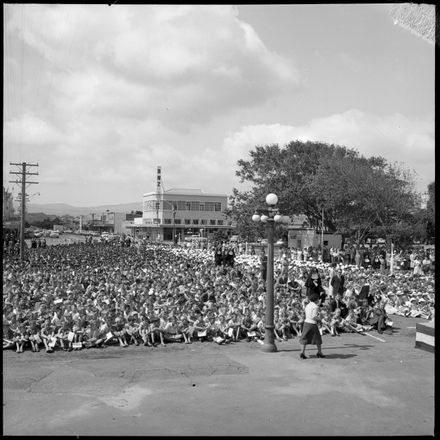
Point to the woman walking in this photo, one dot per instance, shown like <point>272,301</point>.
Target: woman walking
<point>310,332</point>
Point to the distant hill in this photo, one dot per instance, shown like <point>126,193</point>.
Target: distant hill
<point>38,217</point>
<point>65,209</point>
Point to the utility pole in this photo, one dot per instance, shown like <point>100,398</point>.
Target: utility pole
<point>23,173</point>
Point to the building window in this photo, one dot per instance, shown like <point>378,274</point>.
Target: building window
<point>148,205</point>
<point>202,206</point>
<point>195,206</point>
<point>167,221</point>
<point>209,206</point>
<point>188,206</point>
<point>168,205</point>
<point>212,222</point>
<point>187,221</point>
<point>218,206</point>
<point>181,205</point>
<point>195,222</point>
<point>178,221</point>
<point>204,221</point>
<point>220,222</point>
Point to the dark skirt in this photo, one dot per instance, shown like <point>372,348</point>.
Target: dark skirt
<point>310,334</point>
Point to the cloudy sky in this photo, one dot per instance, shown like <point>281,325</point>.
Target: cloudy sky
<point>99,95</point>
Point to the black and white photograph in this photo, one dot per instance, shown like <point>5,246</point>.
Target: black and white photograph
<point>218,219</point>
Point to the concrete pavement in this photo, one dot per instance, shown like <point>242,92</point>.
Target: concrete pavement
<point>362,387</point>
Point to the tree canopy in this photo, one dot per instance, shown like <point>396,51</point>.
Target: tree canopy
<point>359,196</point>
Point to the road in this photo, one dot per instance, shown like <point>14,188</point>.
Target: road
<point>363,387</point>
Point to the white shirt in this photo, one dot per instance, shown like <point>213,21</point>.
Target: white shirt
<point>312,312</point>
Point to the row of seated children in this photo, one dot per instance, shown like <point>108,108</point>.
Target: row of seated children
<point>71,335</point>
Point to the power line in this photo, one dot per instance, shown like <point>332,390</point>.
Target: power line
<point>23,173</point>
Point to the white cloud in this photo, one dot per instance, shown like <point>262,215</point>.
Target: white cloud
<point>30,130</point>
<point>198,59</point>
<point>396,138</point>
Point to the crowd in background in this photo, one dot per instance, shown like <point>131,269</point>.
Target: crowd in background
<point>84,295</point>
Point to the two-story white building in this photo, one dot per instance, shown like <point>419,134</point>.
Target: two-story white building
<point>179,212</point>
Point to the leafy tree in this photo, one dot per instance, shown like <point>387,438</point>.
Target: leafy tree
<point>364,196</point>
<point>219,236</point>
<point>286,172</point>
<point>359,195</point>
<point>430,211</point>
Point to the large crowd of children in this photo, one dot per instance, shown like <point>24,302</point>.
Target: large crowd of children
<point>91,295</point>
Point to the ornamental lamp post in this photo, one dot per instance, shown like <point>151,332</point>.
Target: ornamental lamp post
<point>269,216</point>
<point>174,223</point>
<point>157,220</point>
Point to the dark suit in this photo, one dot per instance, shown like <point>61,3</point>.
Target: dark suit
<point>336,304</point>
<point>364,294</point>
<point>315,288</point>
<point>337,283</point>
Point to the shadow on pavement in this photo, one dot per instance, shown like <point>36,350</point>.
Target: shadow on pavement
<point>361,347</point>
<point>338,356</point>
<point>324,348</point>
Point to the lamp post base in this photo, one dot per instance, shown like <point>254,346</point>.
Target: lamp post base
<point>269,342</point>
<point>269,348</point>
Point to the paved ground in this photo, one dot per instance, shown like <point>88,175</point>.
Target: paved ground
<point>362,387</point>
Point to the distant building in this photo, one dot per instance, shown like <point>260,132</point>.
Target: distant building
<point>177,213</point>
<point>301,235</point>
<point>181,212</point>
<point>109,221</point>
<point>8,206</point>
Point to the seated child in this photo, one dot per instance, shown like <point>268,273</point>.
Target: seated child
<point>47,334</point>
<point>132,330</point>
<point>280,331</point>
<point>336,324</point>
<point>144,330</point>
<point>156,330</point>
<point>171,330</point>
<point>235,326</point>
<point>186,330</point>
<point>34,336</point>
<point>249,327</point>
<point>379,317</point>
<point>224,330</point>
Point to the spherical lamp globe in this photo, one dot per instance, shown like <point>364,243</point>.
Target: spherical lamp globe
<point>272,199</point>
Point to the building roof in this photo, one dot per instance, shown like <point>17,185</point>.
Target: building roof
<point>186,192</point>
